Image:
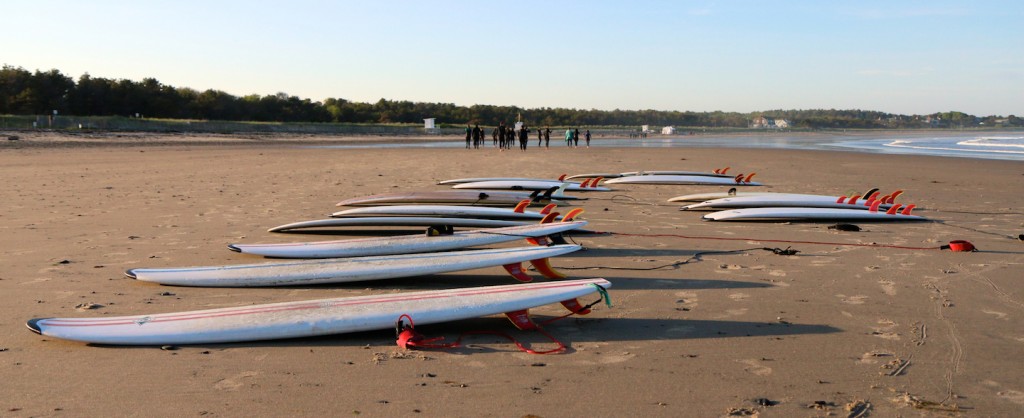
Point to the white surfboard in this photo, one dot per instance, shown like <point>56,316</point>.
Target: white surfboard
<point>530,185</point>
<point>703,197</point>
<point>318,317</point>
<point>688,180</point>
<point>676,173</point>
<point>461,197</point>
<point>341,270</point>
<point>397,221</point>
<point>593,176</point>
<point>405,244</point>
<point>790,200</point>
<point>476,179</point>
<point>813,214</point>
<point>440,211</point>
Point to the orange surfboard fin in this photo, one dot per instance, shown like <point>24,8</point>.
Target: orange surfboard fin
<point>521,319</point>
<point>543,267</point>
<point>521,206</point>
<point>547,209</point>
<point>569,217</point>
<point>749,176</point>
<point>575,307</point>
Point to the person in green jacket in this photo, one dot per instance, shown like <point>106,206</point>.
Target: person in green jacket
<point>568,137</point>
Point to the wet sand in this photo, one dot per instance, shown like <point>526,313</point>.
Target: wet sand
<point>731,328</point>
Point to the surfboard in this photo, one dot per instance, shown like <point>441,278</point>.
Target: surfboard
<point>739,180</point>
<point>397,221</point>
<point>814,214</point>
<point>342,270</point>
<point>531,185</point>
<point>441,211</point>
<point>310,318</point>
<point>594,176</point>
<point>676,173</point>
<point>732,192</point>
<point>794,200</point>
<point>405,244</point>
<point>476,179</point>
<point>460,197</point>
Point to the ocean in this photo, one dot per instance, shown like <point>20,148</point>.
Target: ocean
<point>985,145</point>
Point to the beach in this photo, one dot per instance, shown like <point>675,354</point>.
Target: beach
<point>878,322</point>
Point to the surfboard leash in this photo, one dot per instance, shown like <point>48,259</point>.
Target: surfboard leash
<point>409,338</point>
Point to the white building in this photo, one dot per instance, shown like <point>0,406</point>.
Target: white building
<point>668,130</point>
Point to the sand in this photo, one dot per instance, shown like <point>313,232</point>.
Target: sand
<point>834,330</point>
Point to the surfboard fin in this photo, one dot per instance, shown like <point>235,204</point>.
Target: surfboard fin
<point>543,267</point>
<point>547,209</point>
<point>894,195</point>
<point>869,192</point>
<point>562,177</point>
<point>521,319</point>
<point>574,306</point>
<point>569,217</point>
<point>548,218</point>
<point>521,206</point>
<point>516,270</point>
<point>841,199</point>
<point>908,209</point>
<point>892,210</point>
<point>874,206</point>
<point>853,199</point>
<point>749,177</point>
<point>585,184</point>
<point>594,183</point>
<point>547,193</point>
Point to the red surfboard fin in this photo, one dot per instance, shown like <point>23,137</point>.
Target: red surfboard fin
<point>853,199</point>
<point>892,210</point>
<point>521,319</point>
<point>521,206</point>
<point>575,307</point>
<point>841,199</point>
<point>585,183</point>
<point>561,177</point>
<point>547,209</point>
<point>908,209</point>
<point>874,206</point>
<point>597,180</point>
<point>550,217</point>
<point>748,177</point>
<point>543,267</point>
<point>738,178</point>
<point>516,270</point>
<point>894,195</point>
<point>725,170</point>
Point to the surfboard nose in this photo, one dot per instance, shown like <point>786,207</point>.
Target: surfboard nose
<point>33,324</point>
<point>130,273</point>
<point>232,247</point>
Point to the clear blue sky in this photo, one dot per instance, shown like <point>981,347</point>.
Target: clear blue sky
<point>909,57</point>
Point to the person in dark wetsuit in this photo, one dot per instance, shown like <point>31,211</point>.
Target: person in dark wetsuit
<point>524,137</point>
<point>501,135</point>
<point>494,136</point>
<point>587,137</point>
<point>540,138</point>
<point>576,138</point>
<point>547,137</point>
<point>476,137</point>
<point>469,133</point>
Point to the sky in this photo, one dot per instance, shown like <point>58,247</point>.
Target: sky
<point>905,57</point>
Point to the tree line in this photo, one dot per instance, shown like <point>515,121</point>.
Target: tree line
<point>40,93</point>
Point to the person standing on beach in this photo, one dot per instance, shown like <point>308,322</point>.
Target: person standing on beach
<point>501,135</point>
<point>476,136</point>
<point>524,137</point>
<point>469,133</point>
<point>568,137</point>
<point>587,136</point>
<point>494,137</point>
<point>540,138</point>
<point>576,138</point>
<point>547,137</point>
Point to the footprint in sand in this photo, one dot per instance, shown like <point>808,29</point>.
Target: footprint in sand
<point>998,315</point>
<point>728,313</point>
<point>754,366</point>
<point>1011,395</point>
<point>739,297</point>
<point>235,382</point>
<point>888,286</point>
<point>885,330</point>
<point>873,357</point>
<point>852,300</point>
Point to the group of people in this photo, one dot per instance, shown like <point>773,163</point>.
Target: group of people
<point>504,137</point>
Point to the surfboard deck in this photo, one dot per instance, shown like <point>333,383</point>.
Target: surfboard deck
<point>397,221</point>
<point>675,173</point>
<point>404,244</point>
<point>681,180</point>
<point>343,270</point>
<point>529,185</point>
<point>807,214</point>
<point>439,211</point>
<point>451,197</point>
<point>784,200</point>
<point>312,317</point>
